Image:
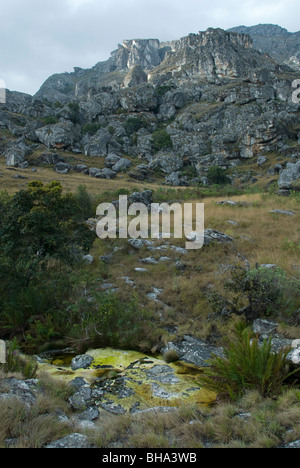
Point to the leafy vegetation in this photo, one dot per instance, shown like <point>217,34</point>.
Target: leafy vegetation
<point>246,366</point>
<point>161,140</point>
<point>217,175</point>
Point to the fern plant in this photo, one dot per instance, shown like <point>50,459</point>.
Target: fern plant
<point>246,365</point>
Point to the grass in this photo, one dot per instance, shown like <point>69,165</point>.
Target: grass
<point>255,422</point>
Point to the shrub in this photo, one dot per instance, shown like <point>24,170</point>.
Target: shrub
<point>161,140</point>
<point>109,321</point>
<point>50,120</point>
<point>246,365</point>
<point>91,128</point>
<point>134,124</point>
<point>217,175</point>
<point>263,292</point>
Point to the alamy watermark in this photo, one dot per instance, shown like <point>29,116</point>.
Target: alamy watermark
<point>296,93</point>
<point>156,221</point>
<point>2,352</point>
<point>2,92</point>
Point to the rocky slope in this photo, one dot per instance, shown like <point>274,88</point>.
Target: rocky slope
<point>172,109</point>
<point>274,40</point>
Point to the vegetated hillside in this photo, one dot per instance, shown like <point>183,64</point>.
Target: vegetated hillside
<point>207,119</point>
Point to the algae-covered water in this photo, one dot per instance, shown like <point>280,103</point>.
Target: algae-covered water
<point>134,381</point>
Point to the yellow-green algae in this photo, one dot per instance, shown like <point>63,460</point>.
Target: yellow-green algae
<point>177,393</point>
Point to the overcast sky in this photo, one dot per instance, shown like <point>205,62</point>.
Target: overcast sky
<point>42,37</point>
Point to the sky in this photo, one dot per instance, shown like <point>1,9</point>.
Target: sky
<point>41,37</point>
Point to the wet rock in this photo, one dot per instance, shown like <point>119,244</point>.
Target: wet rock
<point>81,362</point>
<point>193,351</point>
<point>81,399</point>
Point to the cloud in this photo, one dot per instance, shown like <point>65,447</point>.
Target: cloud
<point>52,36</point>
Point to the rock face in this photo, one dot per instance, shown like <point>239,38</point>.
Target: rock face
<point>274,40</point>
<point>179,107</point>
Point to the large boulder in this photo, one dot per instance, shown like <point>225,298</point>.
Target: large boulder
<point>122,165</point>
<point>16,154</point>
<point>167,163</point>
<point>289,179</point>
<point>59,135</point>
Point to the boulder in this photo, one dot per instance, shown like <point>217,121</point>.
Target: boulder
<point>59,135</point>
<point>122,165</point>
<point>193,351</point>
<point>106,174</point>
<point>81,362</point>
<point>211,235</point>
<point>62,168</point>
<point>289,178</point>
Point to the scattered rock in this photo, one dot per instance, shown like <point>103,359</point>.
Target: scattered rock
<point>211,235</point>
<point>72,441</point>
<point>284,212</point>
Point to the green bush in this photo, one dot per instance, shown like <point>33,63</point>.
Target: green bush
<point>161,140</point>
<point>50,120</point>
<point>134,124</point>
<point>217,175</point>
<point>109,321</point>
<point>91,128</point>
<point>259,292</point>
<point>246,365</point>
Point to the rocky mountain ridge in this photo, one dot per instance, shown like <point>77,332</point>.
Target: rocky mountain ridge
<point>174,109</point>
<point>274,40</point>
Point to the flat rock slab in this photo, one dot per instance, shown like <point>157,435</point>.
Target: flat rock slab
<point>194,351</point>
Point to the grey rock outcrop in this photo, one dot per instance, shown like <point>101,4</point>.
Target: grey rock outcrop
<point>59,135</point>
<point>289,179</point>
<point>193,351</point>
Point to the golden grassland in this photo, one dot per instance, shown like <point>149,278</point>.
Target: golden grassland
<point>259,236</point>
<point>253,422</point>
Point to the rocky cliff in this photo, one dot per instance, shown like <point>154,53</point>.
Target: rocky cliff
<point>274,40</point>
<point>176,108</point>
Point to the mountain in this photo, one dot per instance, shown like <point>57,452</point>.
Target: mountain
<point>275,41</point>
<point>175,109</point>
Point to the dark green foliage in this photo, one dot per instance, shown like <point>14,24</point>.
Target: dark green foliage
<point>85,203</point>
<point>42,235</point>
<point>161,140</point>
<point>260,292</point>
<point>74,112</point>
<point>162,90</point>
<point>109,321</point>
<point>246,365</point>
<point>50,120</point>
<point>217,175</point>
<point>133,124</point>
<point>91,128</point>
